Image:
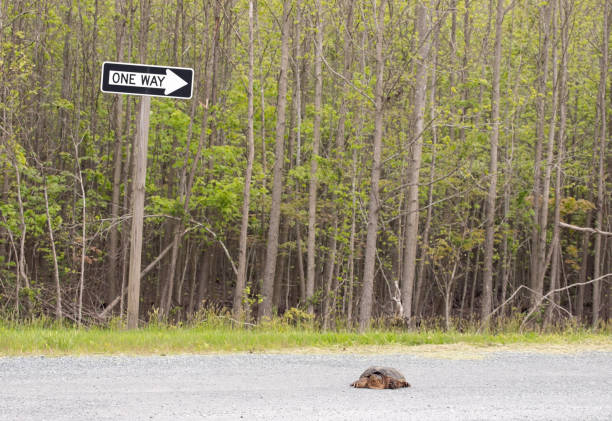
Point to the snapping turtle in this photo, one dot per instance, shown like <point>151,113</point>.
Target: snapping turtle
<point>381,378</point>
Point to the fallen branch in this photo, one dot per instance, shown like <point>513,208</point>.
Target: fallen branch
<point>542,298</point>
<point>227,253</point>
<point>584,229</point>
<point>237,321</point>
<point>109,307</point>
<point>211,232</point>
<point>161,255</point>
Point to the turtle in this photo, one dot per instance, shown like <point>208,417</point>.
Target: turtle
<point>381,378</point>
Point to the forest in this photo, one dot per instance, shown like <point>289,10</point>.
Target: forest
<point>411,163</point>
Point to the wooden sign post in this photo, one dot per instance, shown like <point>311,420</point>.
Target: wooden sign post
<point>147,81</point>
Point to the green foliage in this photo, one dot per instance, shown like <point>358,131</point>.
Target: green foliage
<point>55,124</point>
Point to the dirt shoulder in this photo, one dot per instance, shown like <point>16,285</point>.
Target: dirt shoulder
<point>459,351</point>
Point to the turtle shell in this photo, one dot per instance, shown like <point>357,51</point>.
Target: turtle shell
<point>377,377</point>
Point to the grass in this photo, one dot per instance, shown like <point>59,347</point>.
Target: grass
<point>49,339</point>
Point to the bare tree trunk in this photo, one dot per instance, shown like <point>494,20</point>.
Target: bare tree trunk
<point>244,225</point>
<point>265,307</point>
<point>113,253</point>
<point>359,123</point>
<point>509,121</point>
<point>127,184</point>
<point>418,305</point>
<point>549,156</point>
<point>365,310</point>
<point>490,203</point>
<point>262,83</point>
<point>192,285</point>
<point>453,63</point>
<point>556,269</point>
<point>298,115</point>
<point>351,256</point>
<point>280,272</point>
<point>58,289</point>
<point>448,294</point>
<point>465,284</point>
<point>300,262</point>
<point>586,241</point>
<point>467,35</point>
<point>414,166</point>
<point>474,282</point>
<point>339,155</point>
<point>316,138</point>
<point>66,72</point>
<point>536,257</point>
<point>204,276</point>
<point>83,231</point>
<point>21,264</point>
<point>582,275</point>
<point>601,103</point>
<point>328,276</point>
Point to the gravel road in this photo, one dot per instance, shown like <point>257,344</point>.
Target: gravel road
<point>504,385</point>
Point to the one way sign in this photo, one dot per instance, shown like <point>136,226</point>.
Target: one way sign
<point>145,79</point>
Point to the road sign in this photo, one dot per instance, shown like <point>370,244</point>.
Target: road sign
<point>145,79</point>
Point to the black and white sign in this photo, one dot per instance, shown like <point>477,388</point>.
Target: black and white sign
<point>145,79</point>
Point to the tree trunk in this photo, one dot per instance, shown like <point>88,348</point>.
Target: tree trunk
<point>244,225</point>
<point>339,155</point>
<point>414,166</point>
<point>365,310</point>
<point>282,263</point>
<point>601,103</point>
<point>536,257</point>
<point>490,201</point>
<point>418,305</point>
<point>204,276</point>
<point>58,289</point>
<point>113,252</point>
<point>549,158</point>
<point>555,272</point>
<point>300,263</point>
<point>265,307</point>
<point>328,277</point>
<point>316,138</point>
<point>358,137</point>
<point>127,184</point>
<point>298,115</point>
<point>83,230</point>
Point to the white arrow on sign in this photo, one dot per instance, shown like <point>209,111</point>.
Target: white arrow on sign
<point>170,82</point>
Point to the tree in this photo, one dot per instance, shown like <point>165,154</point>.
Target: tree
<point>414,165</point>
<point>316,139</point>
<point>242,273</point>
<point>398,201</point>
<point>492,192</point>
<point>365,310</point>
<point>113,253</point>
<point>537,257</point>
<point>265,307</point>
<point>602,111</point>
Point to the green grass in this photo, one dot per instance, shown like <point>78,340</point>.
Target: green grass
<point>36,339</point>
